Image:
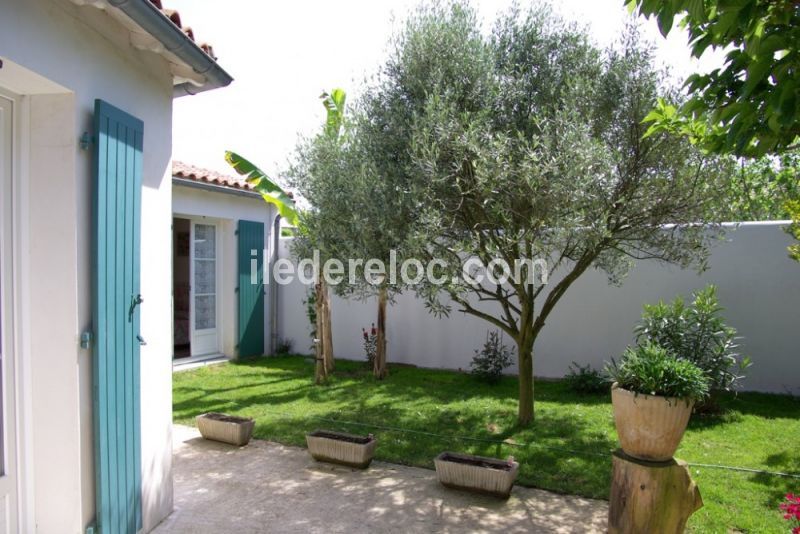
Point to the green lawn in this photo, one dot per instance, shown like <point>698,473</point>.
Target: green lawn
<point>566,450</point>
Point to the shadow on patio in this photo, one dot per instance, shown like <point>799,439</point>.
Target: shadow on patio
<point>266,487</point>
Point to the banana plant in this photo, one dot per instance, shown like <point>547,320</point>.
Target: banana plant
<point>270,191</point>
<point>334,104</point>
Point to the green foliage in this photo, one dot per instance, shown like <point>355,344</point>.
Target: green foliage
<point>584,379</point>
<point>696,333</point>
<point>652,370</point>
<point>284,346</point>
<point>523,145</point>
<point>750,106</point>
<point>334,103</point>
<point>762,189</point>
<point>311,312</point>
<point>793,207</point>
<point>270,191</point>
<point>489,362</point>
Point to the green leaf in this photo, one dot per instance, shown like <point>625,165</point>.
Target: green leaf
<point>665,19</point>
<point>697,10</point>
<point>270,191</point>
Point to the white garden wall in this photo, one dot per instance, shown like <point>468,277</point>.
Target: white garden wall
<point>758,285</point>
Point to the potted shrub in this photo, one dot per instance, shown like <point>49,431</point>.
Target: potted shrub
<point>652,395</point>
<point>341,448</point>
<point>696,331</point>
<point>225,428</point>
<point>477,473</point>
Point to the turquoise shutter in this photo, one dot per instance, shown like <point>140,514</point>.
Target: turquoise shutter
<point>251,295</point>
<point>116,299</point>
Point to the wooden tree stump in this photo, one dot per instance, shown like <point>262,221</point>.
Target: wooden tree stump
<point>650,497</point>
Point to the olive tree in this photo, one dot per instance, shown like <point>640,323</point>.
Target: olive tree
<point>528,145</point>
<point>358,219</point>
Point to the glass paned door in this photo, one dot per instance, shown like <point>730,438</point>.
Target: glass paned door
<point>204,288</point>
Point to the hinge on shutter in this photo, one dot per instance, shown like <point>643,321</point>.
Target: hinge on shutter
<point>86,339</point>
<point>236,290</point>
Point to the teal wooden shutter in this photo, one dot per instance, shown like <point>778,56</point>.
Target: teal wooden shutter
<point>251,287</point>
<point>116,299</point>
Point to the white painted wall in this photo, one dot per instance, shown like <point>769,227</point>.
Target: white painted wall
<point>226,209</point>
<point>758,285</point>
<point>69,56</point>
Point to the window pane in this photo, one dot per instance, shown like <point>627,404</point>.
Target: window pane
<point>205,276</point>
<point>204,241</point>
<point>205,312</point>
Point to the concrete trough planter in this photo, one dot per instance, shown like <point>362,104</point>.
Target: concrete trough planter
<point>341,448</point>
<point>477,473</point>
<point>225,428</point>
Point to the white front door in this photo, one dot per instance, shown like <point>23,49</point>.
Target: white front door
<point>203,288</point>
<point>8,434</point>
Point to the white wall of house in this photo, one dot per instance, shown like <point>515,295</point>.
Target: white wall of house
<point>61,64</point>
<point>225,209</point>
<point>758,285</point>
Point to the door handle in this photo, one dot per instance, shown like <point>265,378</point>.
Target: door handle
<point>135,301</point>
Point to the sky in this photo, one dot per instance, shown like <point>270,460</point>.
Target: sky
<point>283,54</point>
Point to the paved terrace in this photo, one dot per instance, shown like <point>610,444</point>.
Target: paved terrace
<point>267,487</point>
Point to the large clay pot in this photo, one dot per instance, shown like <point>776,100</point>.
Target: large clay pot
<point>649,427</point>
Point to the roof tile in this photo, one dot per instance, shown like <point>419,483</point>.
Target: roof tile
<point>190,172</point>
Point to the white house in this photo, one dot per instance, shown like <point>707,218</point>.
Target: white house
<point>221,235</point>
<point>86,90</point>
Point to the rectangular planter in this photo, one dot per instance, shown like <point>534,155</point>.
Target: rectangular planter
<point>225,428</point>
<point>341,448</point>
<point>476,473</point>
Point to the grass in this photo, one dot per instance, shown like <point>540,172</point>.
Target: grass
<point>566,450</point>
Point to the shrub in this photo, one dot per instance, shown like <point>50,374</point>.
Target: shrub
<point>696,333</point>
<point>284,346</point>
<point>586,380</point>
<point>370,344</point>
<point>652,370</point>
<point>489,362</point>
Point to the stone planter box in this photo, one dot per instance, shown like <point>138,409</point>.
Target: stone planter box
<point>341,448</point>
<point>649,427</point>
<point>225,428</point>
<point>477,473</point>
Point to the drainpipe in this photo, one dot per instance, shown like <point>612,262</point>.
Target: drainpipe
<point>273,305</point>
<point>153,21</point>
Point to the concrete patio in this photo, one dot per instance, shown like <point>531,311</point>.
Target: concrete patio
<point>267,487</point>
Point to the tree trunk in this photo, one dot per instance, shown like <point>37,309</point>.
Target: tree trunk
<point>379,369</point>
<point>650,496</point>
<point>320,370</point>
<point>326,336</point>
<point>525,359</point>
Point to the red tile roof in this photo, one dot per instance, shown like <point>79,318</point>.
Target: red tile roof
<point>190,172</point>
<point>175,17</point>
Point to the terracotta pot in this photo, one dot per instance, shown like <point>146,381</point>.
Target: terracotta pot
<point>341,448</point>
<point>225,428</point>
<point>476,473</point>
<point>649,427</point>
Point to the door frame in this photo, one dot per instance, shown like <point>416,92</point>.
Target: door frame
<point>16,337</point>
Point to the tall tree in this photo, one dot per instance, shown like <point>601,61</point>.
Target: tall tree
<point>355,216</point>
<point>528,145</point>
